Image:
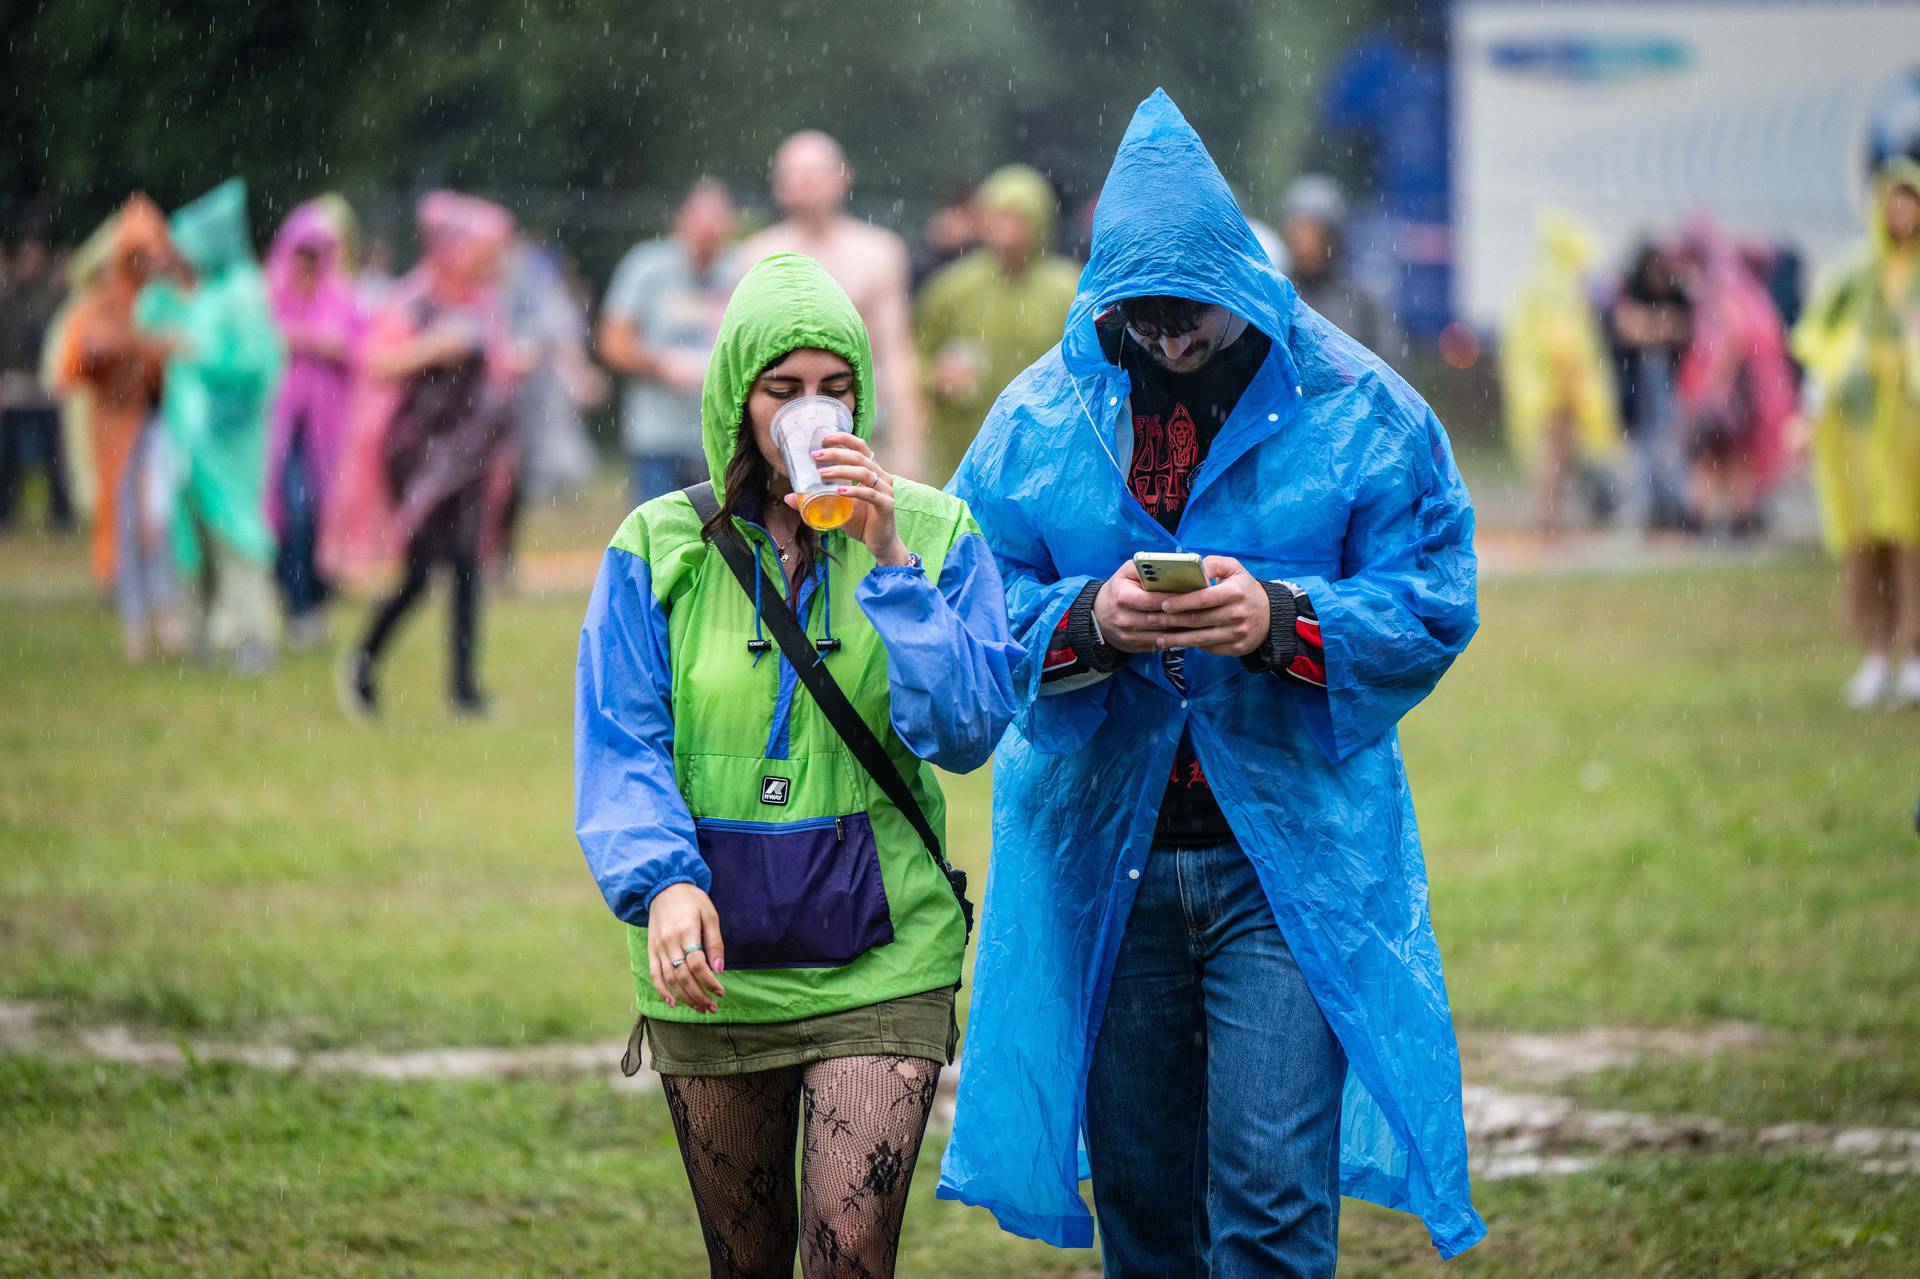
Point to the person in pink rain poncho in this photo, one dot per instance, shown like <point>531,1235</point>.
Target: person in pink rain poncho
<point>311,287</point>
<point>1736,389</point>
<point>430,424</point>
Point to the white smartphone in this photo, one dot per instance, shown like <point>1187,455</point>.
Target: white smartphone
<point>1172,572</point>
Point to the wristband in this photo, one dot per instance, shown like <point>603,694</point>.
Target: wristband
<point>1282,643</point>
<point>1083,633</point>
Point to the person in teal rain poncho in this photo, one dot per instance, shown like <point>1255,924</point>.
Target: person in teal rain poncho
<point>223,366</point>
<point>1206,945</point>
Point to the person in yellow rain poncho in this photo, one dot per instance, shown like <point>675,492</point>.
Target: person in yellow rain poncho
<point>224,363</point>
<point>84,267</point>
<point>984,318</point>
<point>1562,417</point>
<point>1860,343</point>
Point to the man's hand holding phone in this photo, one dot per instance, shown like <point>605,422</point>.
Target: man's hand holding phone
<point>1231,617</point>
<point>1129,616</point>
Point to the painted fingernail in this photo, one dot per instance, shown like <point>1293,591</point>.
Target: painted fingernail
<point>670,1001</point>
<point>819,452</point>
<point>719,965</point>
<point>845,489</point>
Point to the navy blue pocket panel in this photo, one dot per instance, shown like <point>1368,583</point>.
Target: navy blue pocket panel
<point>803,894</point>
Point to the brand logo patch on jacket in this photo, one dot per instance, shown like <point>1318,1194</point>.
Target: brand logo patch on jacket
<point>773,790</point>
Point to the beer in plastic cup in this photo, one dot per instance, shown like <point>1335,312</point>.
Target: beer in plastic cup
<point>798,429</point>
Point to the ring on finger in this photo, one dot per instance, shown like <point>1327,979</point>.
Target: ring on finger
<point>678,963</point>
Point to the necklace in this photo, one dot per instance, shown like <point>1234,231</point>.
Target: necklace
<point>785,549</point>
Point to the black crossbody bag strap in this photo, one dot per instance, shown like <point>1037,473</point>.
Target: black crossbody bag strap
<point>777,615</point>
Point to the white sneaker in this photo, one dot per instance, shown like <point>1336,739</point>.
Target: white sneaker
<point>1869,685</point>
<point>1906,685</point>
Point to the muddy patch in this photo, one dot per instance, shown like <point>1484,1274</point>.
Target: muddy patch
<point>24,1028</point>
<point>1511,1131</point>
<point>1557,1058</point>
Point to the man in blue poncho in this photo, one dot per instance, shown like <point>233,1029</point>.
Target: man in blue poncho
<point>1206,944</point>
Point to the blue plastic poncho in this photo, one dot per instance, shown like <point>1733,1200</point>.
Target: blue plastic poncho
<point>1332,474</point>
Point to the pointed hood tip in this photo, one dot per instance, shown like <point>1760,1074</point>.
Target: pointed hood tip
<point>1168,223</point>
<point>212,232</point>
<point>1156,112</point>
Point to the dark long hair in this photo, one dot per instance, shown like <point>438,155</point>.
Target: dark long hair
<point>750,472</point>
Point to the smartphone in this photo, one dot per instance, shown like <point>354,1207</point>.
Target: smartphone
<point>1174,572</point>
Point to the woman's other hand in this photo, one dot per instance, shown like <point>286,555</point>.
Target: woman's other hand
<point>685,954</point>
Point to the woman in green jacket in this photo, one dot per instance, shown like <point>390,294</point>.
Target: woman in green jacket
<point>790,934</point>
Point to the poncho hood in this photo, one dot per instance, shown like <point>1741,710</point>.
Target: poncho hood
<point>1017,188</point>
<point>211,232</point>
<point>1565,242</point>
<point>106,257</point>
<point>315,227</point>
<point>786,302</point>
<point>1897,172</point>
<point>1167,224</point>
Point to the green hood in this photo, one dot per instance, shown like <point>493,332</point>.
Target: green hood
<point>1024,191</point>
<point>211,232</point>
<point>1896,172</point>
<point>785,303</point>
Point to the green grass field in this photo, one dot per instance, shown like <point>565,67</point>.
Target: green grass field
<point>1641,803</point>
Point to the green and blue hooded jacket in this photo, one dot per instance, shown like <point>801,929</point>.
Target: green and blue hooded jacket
<point>698,761</point>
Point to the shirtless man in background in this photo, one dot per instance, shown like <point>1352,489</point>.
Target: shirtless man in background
<point>811,181</point>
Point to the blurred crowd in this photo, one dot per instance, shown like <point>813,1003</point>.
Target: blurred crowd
<point>245,437</point>
<point>1681,391</point>
<point>1663,394</point>
<point>238,430</point>
<point>248,435</point>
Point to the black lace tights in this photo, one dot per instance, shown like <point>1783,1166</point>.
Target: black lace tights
<point>864,1119</point>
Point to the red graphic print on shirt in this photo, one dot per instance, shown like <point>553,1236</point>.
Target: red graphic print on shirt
<point>1164,454</point>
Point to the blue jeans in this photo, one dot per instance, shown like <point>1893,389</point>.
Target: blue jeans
<point>1213,1103</point>
<point>655,474</point>
<point>296,562</point>
<point>143,578</point>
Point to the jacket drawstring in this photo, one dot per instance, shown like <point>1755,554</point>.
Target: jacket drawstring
<point>759,645</point>
<point>829,644</point>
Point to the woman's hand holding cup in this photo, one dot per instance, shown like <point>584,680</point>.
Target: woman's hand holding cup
<point>846,461</point>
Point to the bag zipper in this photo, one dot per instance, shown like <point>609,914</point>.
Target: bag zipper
<point>837,824</point>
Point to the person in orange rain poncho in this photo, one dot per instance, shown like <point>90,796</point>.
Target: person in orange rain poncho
<point>98,353</point>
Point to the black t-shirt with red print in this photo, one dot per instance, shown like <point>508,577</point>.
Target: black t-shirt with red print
<point>1175,419</point>
<point>1176,416</point>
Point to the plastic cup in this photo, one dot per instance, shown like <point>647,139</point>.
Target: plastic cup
<point>799,427</point>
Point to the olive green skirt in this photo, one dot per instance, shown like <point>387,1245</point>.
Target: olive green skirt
<point>920,1025</point>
